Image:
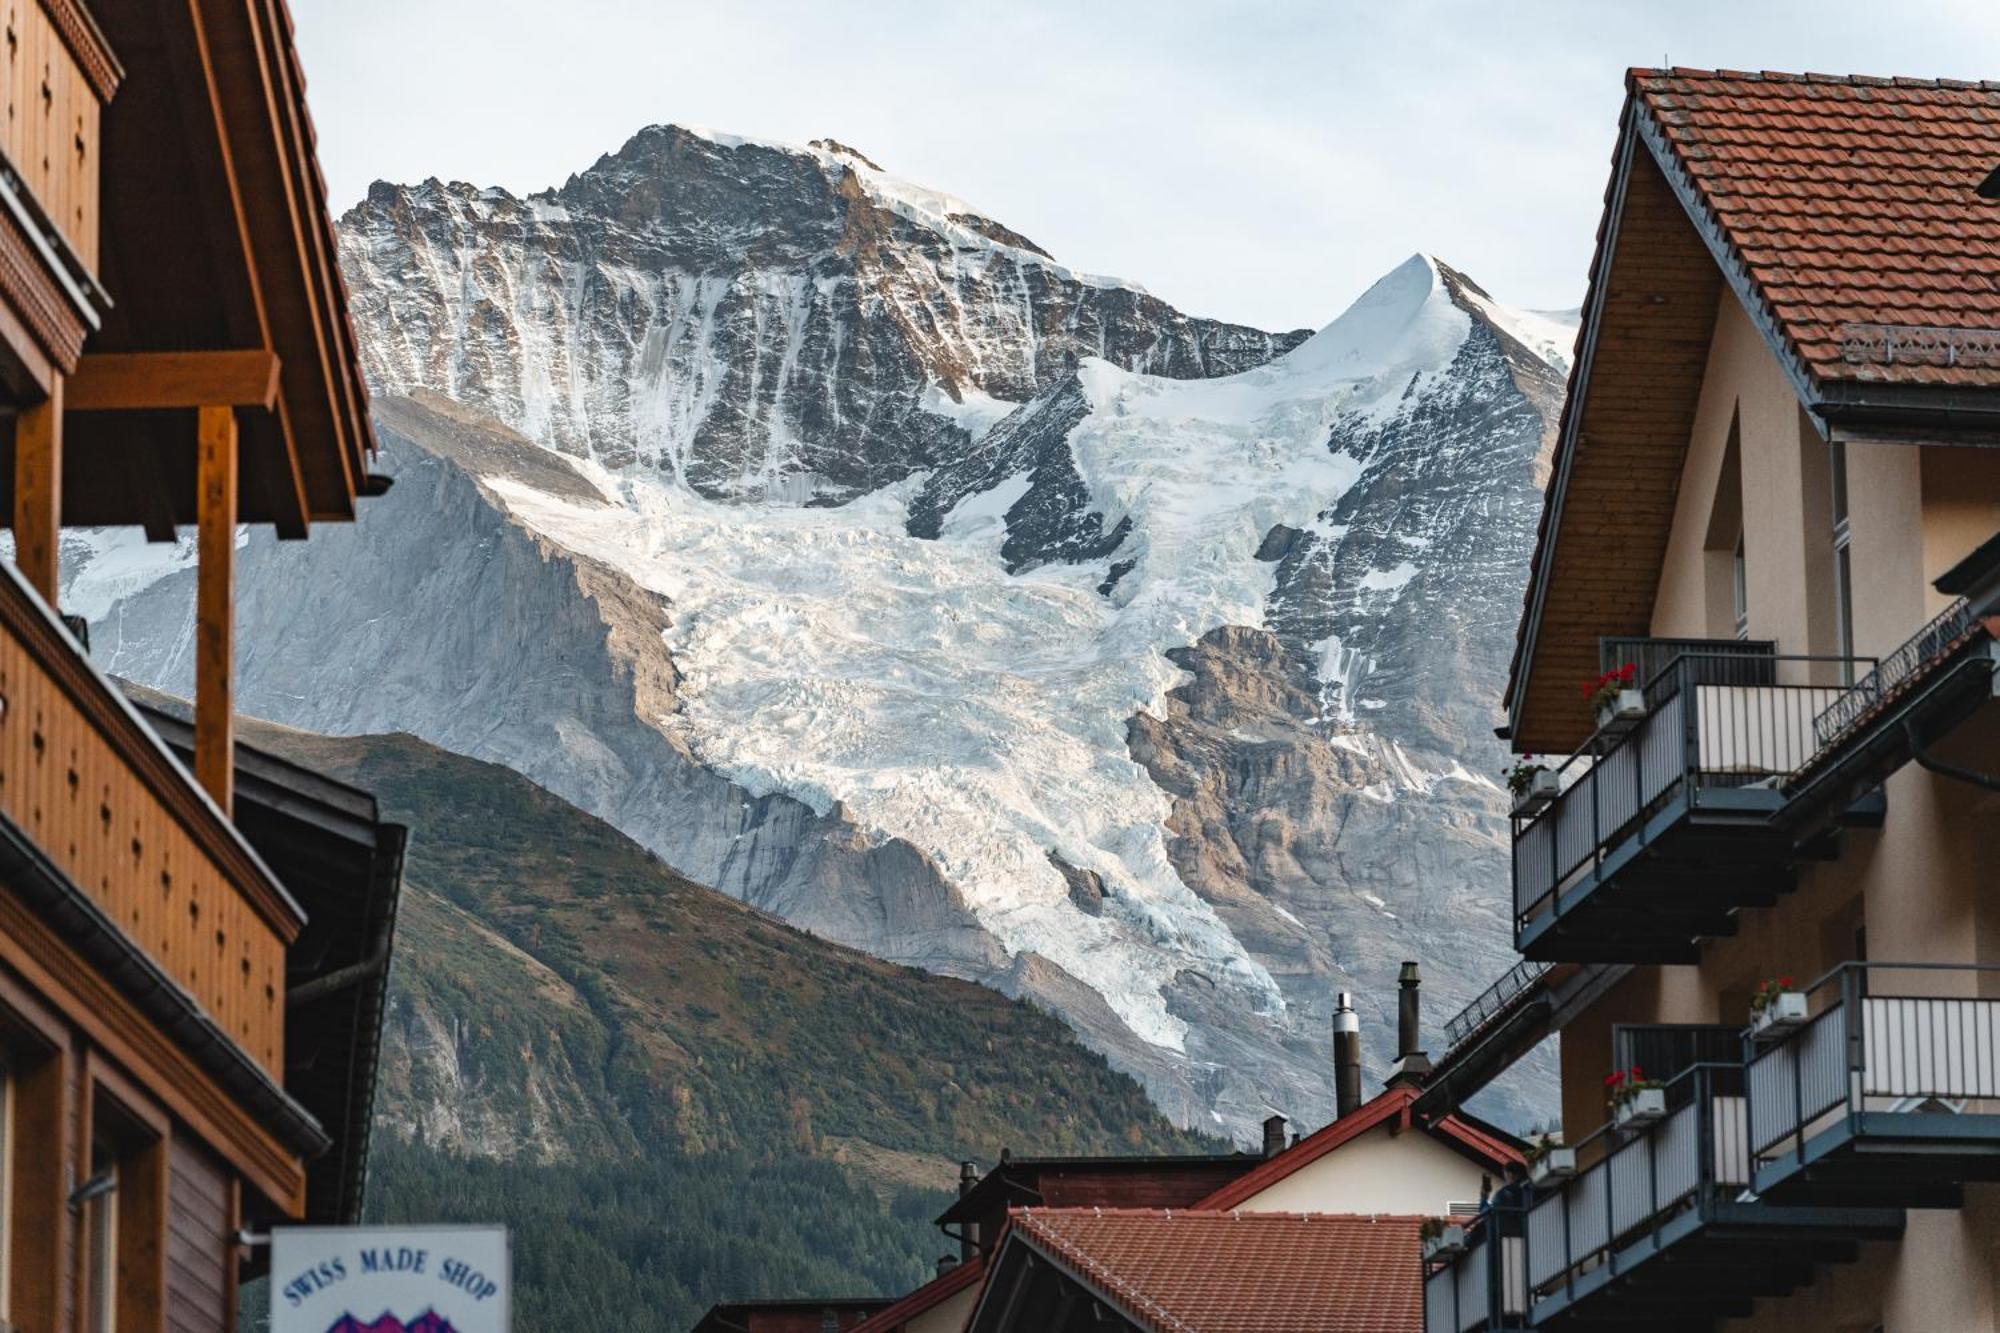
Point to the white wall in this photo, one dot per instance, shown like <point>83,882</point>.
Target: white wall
<point>1380,1172</point>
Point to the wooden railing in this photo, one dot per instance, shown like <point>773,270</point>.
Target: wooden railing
<point>103,800</point>
<point>55,76</point>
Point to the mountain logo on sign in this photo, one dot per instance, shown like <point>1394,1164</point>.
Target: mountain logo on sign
<point>428,1322</point>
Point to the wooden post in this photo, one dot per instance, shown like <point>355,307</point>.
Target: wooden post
<point>215,606</point>
<point>38,490</point>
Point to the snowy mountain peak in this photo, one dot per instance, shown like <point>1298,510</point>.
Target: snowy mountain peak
<point>753,321</point>
<point>865,562</point>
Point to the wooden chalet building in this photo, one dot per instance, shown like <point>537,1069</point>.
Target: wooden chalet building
<point>193,938</point>
<point>1765,874</point>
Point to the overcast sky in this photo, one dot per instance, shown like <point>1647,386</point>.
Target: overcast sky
<point>1258,160</point>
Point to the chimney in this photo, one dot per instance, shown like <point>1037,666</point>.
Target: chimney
<point>1412,1065</point>
<point>1346,1058</point>
<point>968,1232</point>
<point>1274,1135</point>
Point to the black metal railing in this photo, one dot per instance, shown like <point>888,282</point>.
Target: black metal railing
<point>1503,995</point>
<point>1724,661</point>
<point>1533,1246</point>
<point>1894,673</point>
<point>1881,1037</point>
<point>1704,727</point>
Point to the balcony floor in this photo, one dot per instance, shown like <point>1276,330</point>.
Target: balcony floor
<point>1709,1264</point>
<point>1679,878</point>
<point>1900,1159</point>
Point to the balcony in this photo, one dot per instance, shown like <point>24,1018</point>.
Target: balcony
<point>1659,1232</point>
<point>1666,827</point>
<point>110,841</point>
<point>1889,1094</point>
<point>1917,696</point>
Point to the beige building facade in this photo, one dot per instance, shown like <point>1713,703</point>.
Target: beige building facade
<point>1764,897</point>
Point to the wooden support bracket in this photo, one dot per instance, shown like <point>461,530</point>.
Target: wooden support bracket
<point>139,381</point>
<point>38,490</point>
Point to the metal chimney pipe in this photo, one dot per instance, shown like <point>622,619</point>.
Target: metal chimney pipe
<point>1409,1026</point>
<point>968,1235</point>
<point>1274,1135</point>
<point>1346,1057</point>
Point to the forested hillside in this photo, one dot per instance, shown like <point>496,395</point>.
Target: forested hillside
<point>672,1097</point>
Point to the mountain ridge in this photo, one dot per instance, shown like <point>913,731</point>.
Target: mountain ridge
<point>1161,700</point>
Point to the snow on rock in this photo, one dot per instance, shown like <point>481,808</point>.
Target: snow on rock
<point>981,715</point>
<point>837,542</point>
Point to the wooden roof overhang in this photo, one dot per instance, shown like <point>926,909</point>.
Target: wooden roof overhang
<point>218,262</point>
<point>1622,440</point>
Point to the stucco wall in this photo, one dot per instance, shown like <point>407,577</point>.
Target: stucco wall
<point>1926,886</point>
<point>1380,1172</point>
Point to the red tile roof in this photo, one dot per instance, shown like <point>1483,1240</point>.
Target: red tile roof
<point>1849,202</point>
<point>1197,1272</point>
<point>1475,1142</point>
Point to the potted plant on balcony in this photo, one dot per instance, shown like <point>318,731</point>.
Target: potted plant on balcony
<point>1534,786</point>
<point>1636,1101</point>
<point>1615,698</point>
<point>1442,1237</point>
<point>1550,1160</point>
<point>1776,1008</point>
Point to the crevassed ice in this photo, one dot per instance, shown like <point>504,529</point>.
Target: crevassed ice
<point>981,716</point>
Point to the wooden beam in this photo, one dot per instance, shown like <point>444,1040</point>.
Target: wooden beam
<point>215,606</point>
<point>140,381</point>
<point>39,1166</point>
<point>38,490</point>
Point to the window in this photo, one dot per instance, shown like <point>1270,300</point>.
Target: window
<point>121,1207</point>
<point>100,1229</point>
<point>1843,569</point>
<point>1740,587</point>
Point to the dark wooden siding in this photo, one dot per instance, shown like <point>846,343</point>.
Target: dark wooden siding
<point>198,1242</point>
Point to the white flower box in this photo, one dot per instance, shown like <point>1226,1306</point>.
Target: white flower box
<point>1556,1164</point>
<point>1540,793</point>
<point>1622,711</point>
<point>1448,1244</point>
<point>1786,1013</point>
<point>1647,1106</point>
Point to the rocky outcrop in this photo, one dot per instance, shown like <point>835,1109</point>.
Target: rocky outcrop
<point>754,321</point>
<point>860,560</point>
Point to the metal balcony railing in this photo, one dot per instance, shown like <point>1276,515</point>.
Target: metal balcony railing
<point>1714,722</point>
<point>1887,1042</point>
<point>1603,1220</point>
<point>1894,674</point>
<point>1494,1001</point>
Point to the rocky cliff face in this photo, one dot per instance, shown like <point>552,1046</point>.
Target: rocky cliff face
<point>748,320</point>
<point>860,560</point>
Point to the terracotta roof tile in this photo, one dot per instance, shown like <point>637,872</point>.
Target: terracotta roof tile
<point>1193,1272</point>
<point>1850,203</point>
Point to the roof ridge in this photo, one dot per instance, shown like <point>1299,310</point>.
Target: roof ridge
<point>1642,72</point>
<point>1184,1213</point>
